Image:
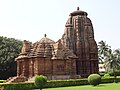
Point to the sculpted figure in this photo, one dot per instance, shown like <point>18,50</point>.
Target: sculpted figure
<point>26,47</point>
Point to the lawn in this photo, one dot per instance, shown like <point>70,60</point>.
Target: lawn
<point>110,86</point>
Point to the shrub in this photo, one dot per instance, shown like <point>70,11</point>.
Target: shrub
<point>108,80</point>
<point>64,83</point>
<point>94,79</point>
<point>2,81</point>
<point>116,72</point>
<point>107,76</point>
<point>102,73</point>
<point>53,83</point>
<point>49,84</point>
<point>18,86</point>
<point>40,81</point>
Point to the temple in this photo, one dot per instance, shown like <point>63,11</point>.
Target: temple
<point>75,55</point>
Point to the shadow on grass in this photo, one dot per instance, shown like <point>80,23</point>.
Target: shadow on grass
<point>100,85</point>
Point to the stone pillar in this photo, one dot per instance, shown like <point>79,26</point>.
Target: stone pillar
<point>31,69</point>
<point>18,68</point>
<point>23,65</point>
<point>36,66</point>
<point>73,66</point>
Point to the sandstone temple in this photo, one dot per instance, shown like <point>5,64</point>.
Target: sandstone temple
<point>75,55</point>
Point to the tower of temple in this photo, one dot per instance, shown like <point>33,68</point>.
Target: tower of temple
<point>79,37</point>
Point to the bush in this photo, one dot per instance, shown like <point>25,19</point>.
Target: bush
<point>107,80</point>
<point>40,81</point>
<point>49,84</point>
<point>64,83</point>
<point>18,86</point>
<point>94,79</point>
<point>53,83</point>
<point>116,72</point>
<point>102,73</point>
<point>2,81</point>
<point>107,76</point>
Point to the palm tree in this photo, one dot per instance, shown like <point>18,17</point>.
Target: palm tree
<point>103,49</point>
<point>112,61</point>
<point>117,55</point>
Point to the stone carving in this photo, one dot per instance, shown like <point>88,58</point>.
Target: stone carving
<point>26,47</point>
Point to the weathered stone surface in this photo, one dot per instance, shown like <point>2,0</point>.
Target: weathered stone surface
<point>26,47</point>
<point>79,38</point>
<point>74,55</point>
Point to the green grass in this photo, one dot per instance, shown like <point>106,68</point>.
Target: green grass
<point>110,86</point>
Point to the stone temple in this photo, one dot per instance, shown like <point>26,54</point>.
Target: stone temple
<point>75,55</point>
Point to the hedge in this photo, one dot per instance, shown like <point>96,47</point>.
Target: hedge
<point>53,83</point>
<point>64,83</point>
<point>49,84</point>
<point>2,81</point>
<point>18,86</point>
<point>110,80</point>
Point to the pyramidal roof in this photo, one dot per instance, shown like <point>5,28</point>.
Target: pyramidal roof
<point>46,40</point>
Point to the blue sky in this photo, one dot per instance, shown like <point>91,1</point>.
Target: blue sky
<point>31,19</point>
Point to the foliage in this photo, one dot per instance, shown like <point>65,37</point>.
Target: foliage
<point>109,80</point>
<point>40,81</point>
<point>49,84</point>
<point>108,86</point>
<point>101,73</point>
<point>1,81</point>
<point>112,62</point>
<point>110,58</point>
<point>94,79</point>
<point>64,83</point>
<point>103,49</point>
<point>53,83</point>
<point>107,76</point>
<point>18,86</point>
<point>9,50</point>
<point>116,72</point>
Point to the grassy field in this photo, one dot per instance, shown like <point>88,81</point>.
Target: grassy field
<point>111,86</point>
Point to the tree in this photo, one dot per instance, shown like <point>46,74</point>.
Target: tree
<point>103,49</point>
<point>9,50</point>
<point>117,55</point>
<point>40,81</point>
<point>112,61</point>
<point>110,58</point>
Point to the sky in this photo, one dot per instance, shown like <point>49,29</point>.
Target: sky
<point>31,19</point>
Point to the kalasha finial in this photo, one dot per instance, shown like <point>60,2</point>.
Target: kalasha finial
<point>45,35</point>
<point>77,8</point>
